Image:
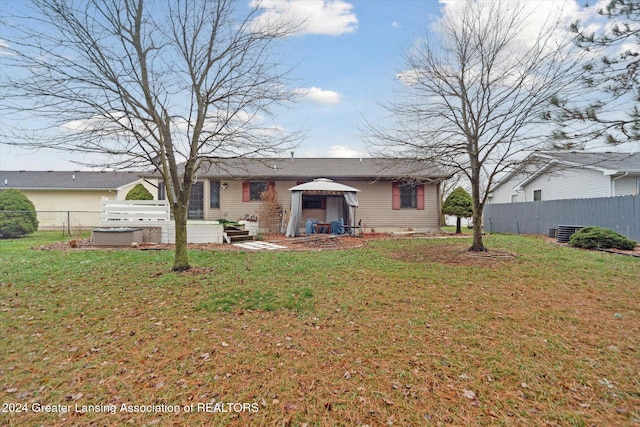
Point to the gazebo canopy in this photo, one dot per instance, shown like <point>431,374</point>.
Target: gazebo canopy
<point>325,187</point>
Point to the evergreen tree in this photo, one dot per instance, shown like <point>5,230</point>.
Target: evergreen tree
<point>459,204</point>
<point>611,80</point>
<point>139,192</point>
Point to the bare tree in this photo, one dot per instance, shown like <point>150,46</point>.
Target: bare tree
<point>473,93</point>
<point>138,83</point>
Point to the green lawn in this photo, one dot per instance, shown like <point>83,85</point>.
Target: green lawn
<point>397,332</point>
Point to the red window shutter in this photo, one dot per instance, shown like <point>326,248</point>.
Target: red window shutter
<point>420,197</point>
<point>246,192</point>
<point>395,196</point>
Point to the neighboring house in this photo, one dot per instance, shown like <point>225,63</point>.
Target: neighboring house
<point>570,175</point>
<point>390,198</point>
<point>73,197</point>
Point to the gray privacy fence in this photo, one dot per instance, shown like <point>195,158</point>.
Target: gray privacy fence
<point>621,214</point>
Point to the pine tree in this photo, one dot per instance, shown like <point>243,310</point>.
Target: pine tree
<point>459,204</point>
<point>611,78</point>
<point>139,192</point>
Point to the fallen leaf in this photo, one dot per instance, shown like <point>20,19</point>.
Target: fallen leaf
<point>11,390</point>
<point>74,396</point>
<point>469,394</point>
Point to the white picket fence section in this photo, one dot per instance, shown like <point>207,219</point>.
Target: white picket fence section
<point>157,214</point>
<point>135,211</point>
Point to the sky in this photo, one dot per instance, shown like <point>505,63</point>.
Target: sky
<point>347,57</point>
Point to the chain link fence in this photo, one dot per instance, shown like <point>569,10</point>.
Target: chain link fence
<point>70,223</point>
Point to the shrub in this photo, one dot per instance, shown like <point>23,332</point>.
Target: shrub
<point>600,238</point>
<point>17,215</point>
<point>139,192</point>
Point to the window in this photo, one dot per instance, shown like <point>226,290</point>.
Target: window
<point>256,189</point>
<point>214,194</point>
<point>313,202</point>
<point>251,191</point>
<point>537,195</point>
<point>196,199</point>
<point>408,196</point>
<point>162,193</point>
<point>514,198</point>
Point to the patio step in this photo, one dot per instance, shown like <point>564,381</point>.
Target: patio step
<point>234,235</point>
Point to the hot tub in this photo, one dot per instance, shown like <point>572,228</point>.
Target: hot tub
<point>122,236</point>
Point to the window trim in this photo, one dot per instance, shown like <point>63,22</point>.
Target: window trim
<point>540,195</point>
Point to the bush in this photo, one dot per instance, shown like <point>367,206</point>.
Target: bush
<point>17,215</point>
<point>139,192</point>
<point>600,238</point>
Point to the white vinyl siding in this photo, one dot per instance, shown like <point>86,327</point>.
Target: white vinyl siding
<point>570,184</point>
<point>626,185</point>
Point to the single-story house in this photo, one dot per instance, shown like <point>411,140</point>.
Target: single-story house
<point>393,195</point>
<point>555,175</point>
<point>71,197</point>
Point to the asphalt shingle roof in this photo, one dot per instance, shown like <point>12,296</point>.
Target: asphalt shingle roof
<point>619,162</point>
<point>66,180</point>
<point>334,168</point>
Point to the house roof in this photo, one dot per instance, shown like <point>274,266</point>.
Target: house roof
<point>66,180</point>
<point>608,162</point>
<point>334,168</point>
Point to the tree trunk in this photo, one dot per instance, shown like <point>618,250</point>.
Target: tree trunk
<point>478,206</point>
<point>478,245</point>
<point>458,225</point>
<point>181,258</point>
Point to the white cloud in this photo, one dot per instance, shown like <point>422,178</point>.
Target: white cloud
<point>329,17</point>
<point>3,47</point>
<point>340,151</point>
<point>539,17</point>
<point>315,94</point>
<point>395,24</point>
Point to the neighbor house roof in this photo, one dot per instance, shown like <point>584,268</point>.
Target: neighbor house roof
<point>66,180</point>
<point>334,168</point>
<point>609,163</point>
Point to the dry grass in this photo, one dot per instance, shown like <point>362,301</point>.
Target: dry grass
<point>398,332</point>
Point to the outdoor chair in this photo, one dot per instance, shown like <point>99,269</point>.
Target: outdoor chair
<point>349,229</point>
<point>310,225</point>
